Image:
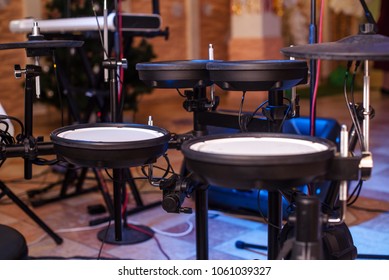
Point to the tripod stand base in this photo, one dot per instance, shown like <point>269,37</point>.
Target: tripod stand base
<point>129,235</point>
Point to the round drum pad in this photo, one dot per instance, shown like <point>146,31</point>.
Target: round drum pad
<point>258,75</point>
<point>175,74</point>
<point>110,145</point>
<point>258,160</point>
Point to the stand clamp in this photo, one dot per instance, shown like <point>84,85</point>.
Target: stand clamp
<point>366,165</point>
<point>30,71</point>
<point>30,148</point>
<point>201,104</point>
<point>174,192</point>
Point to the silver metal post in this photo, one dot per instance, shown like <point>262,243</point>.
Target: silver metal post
<point>343,188</point>
<point>105,34</point>
<point>366,105</point>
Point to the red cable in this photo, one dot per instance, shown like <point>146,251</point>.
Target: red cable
<point>313,109</point>
<point>120,28</point>
<point>139,229</point>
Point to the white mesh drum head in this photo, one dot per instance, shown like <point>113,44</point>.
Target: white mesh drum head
<point>110,134</point>
<point>253,146</point>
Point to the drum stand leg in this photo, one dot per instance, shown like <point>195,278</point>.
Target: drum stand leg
<point>275,223</point>
<point>122,233</point>
<point>201,195</point>
<point>275,114</point>
<point>307,244</point>
<point>6,191</point>
<point>202,223</point>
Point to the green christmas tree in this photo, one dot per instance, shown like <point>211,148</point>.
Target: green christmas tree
<point>82,82</point>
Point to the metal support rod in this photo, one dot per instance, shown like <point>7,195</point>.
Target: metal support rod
<point>28,117</point>
<point>343,185</point>
<point>19,150</point>
<point>307,244</point>
<point>202,223</point>
<point>312,67</point>
<point>274,197</point>
<point>105,29</point>
<point>4,190</point>
<point>198,128</point>
<point>275,223</point>
<point>117,202</point>
<point>155,7</point>
<point>113,95</point>
<point>201,193</point>
<point>118,174</point>
<point>366,105</point>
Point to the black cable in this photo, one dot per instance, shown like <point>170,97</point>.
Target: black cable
<point>134,227</point>
<point>133,178</point>
<point>160,248</point>
<point>180,93</point>
<point>262,215</point>
<point>285,117</point>
<point>13,119</point>
<point>5,137</point>
<point>42,161</point>
<point>357,191</point>
<point>349,104</point>
<point>263,104</point>
<point>357,63</point>
<point>6,126</point>
<point>168,169</point>
<point>103,241</point>
<point>259,107</point>
<point>241,127</point>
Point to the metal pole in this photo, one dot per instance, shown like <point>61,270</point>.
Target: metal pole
<point>366,105</point>
<point>313,68</point>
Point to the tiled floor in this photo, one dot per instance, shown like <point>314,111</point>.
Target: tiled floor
<point>174,232</point>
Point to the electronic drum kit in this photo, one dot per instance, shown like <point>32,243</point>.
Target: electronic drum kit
<point>250,160</point>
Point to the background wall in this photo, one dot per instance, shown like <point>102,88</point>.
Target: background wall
<point>11,90</point>
<point>193,24</point>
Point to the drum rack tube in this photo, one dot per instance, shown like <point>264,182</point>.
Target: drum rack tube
<point>26,151</point>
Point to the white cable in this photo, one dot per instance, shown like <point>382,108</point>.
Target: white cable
<point>156,230</point>
<point>67,230</point>
<point>178,234</point>
<point>171,234</point>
